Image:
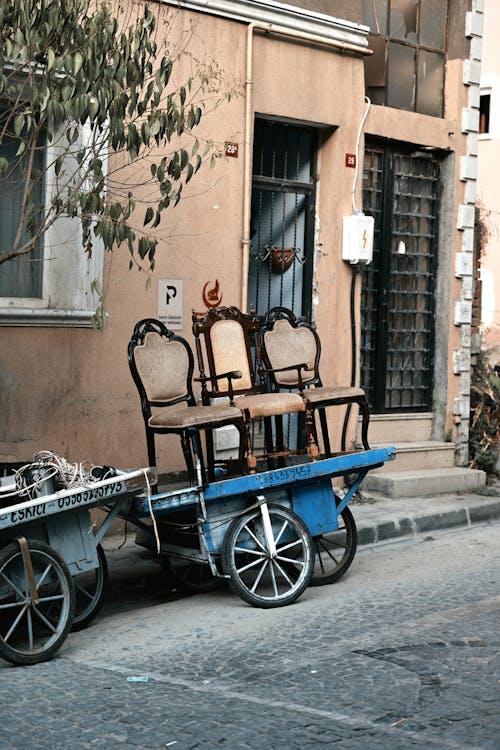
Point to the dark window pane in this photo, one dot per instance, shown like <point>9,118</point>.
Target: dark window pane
<point>375,15</point>
<point>401,77</point>
<point>432,24</point>
<point>430,83</point>
<point>403,20</point>
<point>484,113</point>
<point>21,277</point>
<point>375,64</point>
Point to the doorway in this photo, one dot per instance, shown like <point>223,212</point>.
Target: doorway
<point>398,307</point>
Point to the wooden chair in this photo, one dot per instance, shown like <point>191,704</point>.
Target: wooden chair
<point>162,366</point>
<point>291,351</point>
<point>225,341</point>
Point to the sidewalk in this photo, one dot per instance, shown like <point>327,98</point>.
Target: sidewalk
<point>380,520</point>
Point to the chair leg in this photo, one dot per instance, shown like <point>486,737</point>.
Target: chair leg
<point>242,447</point>
<point>363,406</point>
<point>312,446</point>
<point>150,442</point>
<point>209,443</point>
<point>188,457</point>
<point>268,433</point>
<point>198,454</point>
<point>251,460</point>
<point>324,432</point>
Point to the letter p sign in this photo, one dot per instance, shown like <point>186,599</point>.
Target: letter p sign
<point>170,302</point>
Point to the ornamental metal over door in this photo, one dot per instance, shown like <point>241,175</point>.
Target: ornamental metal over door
<point>400,190</point>
<point>282,221</point>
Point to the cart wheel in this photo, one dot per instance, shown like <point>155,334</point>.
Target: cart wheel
<point>258,577</point>
<point>334,552</point>
<point>190,575</point>
<point>90,590</point>
<point>31,632</point>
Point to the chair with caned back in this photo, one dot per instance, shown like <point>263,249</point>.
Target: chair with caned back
<point>162,366</point>
<point>291,351</point>
<point>226,340</point>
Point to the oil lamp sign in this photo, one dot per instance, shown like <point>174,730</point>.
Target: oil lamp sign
<point>170,302</point>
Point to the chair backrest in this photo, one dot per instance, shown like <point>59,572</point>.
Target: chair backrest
<point>286,341</point>
<point>161,364</point>
<point>225,341</point>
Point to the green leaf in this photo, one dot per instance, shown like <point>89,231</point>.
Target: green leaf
<point>149,215</point>
<point>51,59</point>
<point>58,165</point>
<point>18,124</point>
<point>184,158</point>
<point>77,63</point>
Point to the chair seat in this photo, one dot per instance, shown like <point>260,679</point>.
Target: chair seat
<point>270,404</point>
<point>182,417</point>
<point>333,394</point>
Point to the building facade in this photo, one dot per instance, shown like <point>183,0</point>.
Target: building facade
<point>337,107</point>
<point>488,200</point>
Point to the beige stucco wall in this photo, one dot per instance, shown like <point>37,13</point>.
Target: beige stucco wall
<point>70,390</point>
<point>488,193</point>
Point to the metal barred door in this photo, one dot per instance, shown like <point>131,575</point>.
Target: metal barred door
<point>282,227</point>
<point>400,190</point>
<point>282,221</point>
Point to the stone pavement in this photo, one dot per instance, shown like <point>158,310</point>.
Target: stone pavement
<point>403,652</point>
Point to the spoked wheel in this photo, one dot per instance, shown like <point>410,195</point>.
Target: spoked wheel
<point>90,590</point>
<point>34,622</point>
<point>190,575</point>
<point>334,552</point>
<point>260,575</point>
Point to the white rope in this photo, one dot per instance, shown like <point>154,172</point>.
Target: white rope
<point>150,506</point>
<point>67,475</point>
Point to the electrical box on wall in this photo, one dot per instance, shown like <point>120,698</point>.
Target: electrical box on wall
<point>357,238</point>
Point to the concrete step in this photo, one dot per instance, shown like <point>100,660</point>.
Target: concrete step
<point>399,428</point>
<point>423,482</point>
<point>426,454</point>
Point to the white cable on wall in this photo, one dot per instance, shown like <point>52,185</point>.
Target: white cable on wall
<point>358,139</point>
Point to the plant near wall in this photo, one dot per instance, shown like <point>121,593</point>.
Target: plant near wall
<point>79,85</point>
<point>484,436</point>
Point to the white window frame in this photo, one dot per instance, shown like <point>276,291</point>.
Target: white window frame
<point>490,85</point>
<point>67,298</point>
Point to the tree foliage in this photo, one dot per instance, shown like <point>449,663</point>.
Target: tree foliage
<point>76,86</point>
<point>484,437</point>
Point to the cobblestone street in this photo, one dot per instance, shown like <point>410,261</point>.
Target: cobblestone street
<point>403,652</point>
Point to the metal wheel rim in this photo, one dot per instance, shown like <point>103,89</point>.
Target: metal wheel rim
<point>278,573</point>
<point>88,596</point>
<point>22,615</point>
<point>333,552</point>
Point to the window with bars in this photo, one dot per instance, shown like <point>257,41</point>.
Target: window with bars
<point>408,41</point>
<point>282,219</point>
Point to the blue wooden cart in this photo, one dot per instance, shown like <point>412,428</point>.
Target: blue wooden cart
<point>271,534</point>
